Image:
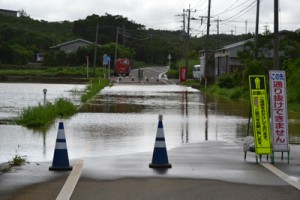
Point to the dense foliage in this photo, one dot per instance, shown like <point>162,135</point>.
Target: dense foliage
<point>22,37</point>
<point>229,80</point>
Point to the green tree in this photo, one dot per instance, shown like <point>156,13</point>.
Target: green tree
<point>293,83</point>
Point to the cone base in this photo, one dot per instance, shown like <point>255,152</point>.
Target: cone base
<point>153,165</point>
<point>52,168</point>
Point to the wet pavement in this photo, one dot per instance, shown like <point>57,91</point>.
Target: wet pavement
<point>211,169</point>
<point>115,137</point>
<point>150,76</point>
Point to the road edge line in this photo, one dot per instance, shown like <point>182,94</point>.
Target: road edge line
<point>281,175</point>
<point>69,186</point>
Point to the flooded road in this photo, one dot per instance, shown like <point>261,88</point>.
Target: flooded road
<point>123,119</point>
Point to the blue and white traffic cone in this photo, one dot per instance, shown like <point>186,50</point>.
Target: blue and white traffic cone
<point>160,156</point>
<point>60,159</point>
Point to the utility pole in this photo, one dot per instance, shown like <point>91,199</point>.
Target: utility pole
<point>95,50</point>
<point>207,42</point>
<point>116,47</point>
<point>218,29</point>
<point>276,36</point>
<point>246,27</point>
<point>187,38</point>
<point>256,29</point>
<point>183,21</point>
<point>124,38</point>
<point>218,24</point>
<point>183,34</point>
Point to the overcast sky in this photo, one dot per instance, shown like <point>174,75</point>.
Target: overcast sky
<point>167,14</point>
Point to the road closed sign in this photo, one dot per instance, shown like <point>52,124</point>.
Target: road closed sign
<point>260,114</point>
<point>278,104</point>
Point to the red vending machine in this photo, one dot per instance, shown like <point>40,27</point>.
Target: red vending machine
<point>182,74</point>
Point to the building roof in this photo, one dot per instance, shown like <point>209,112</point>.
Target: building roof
<point>4,10</point>
<point>241,43</point>
<point>70,42</point>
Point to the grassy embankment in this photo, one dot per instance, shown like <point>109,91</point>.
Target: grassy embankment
<point>62,71</point>
<point>236,93</point>
<point>40,116</point>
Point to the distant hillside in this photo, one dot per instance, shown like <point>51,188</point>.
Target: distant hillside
<point>60,30</point>
<point>22,37</point>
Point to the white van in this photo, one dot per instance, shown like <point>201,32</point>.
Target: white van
<point>39,57</point>
<point>198,72</point>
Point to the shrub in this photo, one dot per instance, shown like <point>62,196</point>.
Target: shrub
<point>229,80</point>
<point>40,115</point>
<point>253,68</point>
<point>17,160</point>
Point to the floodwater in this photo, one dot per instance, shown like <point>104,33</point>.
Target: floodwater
<point>123,119</point>
<point>17,96</point>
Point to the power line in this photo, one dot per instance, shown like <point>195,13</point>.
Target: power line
<point>201,8</point>
<point>200,3</point>
<point>242,12</point>
<point>134,34</point>
<point>230,8</point>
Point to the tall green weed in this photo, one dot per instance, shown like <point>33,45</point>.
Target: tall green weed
<point>39,116</point>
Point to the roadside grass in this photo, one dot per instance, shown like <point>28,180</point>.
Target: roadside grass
<point>40,116</point>
<point>232,93</point>
<point>241,93</point>
<point>93,88</point>
<point>172,73</point>
<point>294,107</point>
<point>193,83</point>
<point>17,160</point>
<point>79,71</point>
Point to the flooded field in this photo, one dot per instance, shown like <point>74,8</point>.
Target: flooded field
<point>123,119</point>
<point>17,96</point>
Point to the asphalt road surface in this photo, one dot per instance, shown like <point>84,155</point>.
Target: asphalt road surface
<point>150,75</point>
<point>208,170</point>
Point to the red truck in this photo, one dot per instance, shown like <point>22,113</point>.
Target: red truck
<point>122,66</point>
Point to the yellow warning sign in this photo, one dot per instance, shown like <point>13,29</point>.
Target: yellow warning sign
<point>260,114</point>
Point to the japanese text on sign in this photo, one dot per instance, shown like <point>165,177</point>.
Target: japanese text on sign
<point>260,115</point>
<point>278,110</point>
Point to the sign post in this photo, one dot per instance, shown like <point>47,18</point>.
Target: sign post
<point>45,92</point>
<point>279,123</point>
<point>106,62</point>
<point>87,66</point>
<point>260,114</point>
<point>169,58</point>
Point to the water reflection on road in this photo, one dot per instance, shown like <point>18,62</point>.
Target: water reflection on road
<point>123,119</point>
<point>126,117</point>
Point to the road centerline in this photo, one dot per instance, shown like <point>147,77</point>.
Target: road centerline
<point>69,186</point>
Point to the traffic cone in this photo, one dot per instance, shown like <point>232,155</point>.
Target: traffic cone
<point>160,156</point>
<point>60,159</point>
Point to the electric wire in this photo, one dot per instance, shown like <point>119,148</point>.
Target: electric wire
<point>133,34</point>
<point>242,12</point>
